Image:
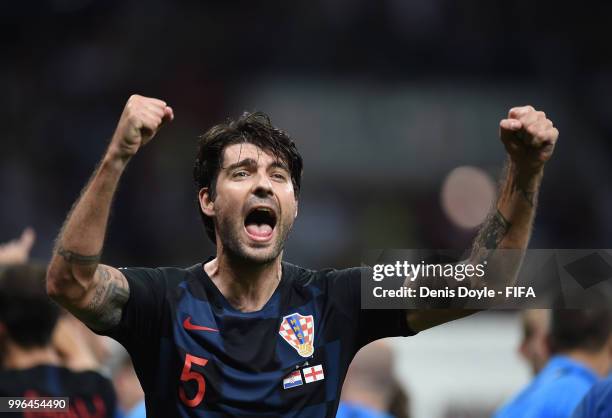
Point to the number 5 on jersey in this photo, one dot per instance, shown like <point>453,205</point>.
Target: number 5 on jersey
<point>188,375</point>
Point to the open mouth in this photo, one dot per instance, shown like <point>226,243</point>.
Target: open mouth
<point>259,223</point>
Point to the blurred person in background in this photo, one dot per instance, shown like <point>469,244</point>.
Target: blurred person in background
<point>16,251</point>
<point>39,351</point>
<point>534,346</point>
<point>73,350</point>
<point>130,395</point>
<point>370,389</point>
<point>212,330</point>
<point>581,348</point>
<point>77,345</point>
<point>597,403</point>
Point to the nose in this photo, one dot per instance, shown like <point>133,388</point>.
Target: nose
<point>262,186</point>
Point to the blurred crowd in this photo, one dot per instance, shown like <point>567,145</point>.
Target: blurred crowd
<point>386,96</point>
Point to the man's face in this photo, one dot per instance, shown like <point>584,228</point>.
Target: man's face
<point>534,347</point>
<point>254,206</point>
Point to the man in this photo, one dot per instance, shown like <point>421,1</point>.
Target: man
<point>16,251</point>
<point>33,366</point>
<point>244,333</point>
<point>129,392</point>
<point>581,343</point>
<point>370,386</point>
<point>534,347</point>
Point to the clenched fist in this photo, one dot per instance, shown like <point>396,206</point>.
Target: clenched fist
<point>141,119</point>
<point>529,138</point>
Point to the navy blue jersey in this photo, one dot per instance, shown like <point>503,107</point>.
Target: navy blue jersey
<point>197,356</point>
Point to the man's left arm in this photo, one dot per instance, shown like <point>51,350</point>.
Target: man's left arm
<point>529,138</point>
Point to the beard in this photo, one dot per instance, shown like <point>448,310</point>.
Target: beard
<point>230,232</point>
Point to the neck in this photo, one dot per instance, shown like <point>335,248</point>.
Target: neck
<point>599,361</point>
<point>247,286</point>
<point>17,357</point>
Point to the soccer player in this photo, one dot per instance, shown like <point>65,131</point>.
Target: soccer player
<point>534,348</point>
<point>370,387</point>
<point>33,366</point>
<point>581,347</point>
<point>16,251</point>
<point>245,333</point>
<point>129,392</point>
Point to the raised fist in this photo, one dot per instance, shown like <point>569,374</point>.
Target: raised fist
<point>17,251</point>
<point>529,137</point>
<point>141,119</point>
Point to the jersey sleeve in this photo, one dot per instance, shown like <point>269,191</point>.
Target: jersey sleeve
<point>142,313</point>
<point>344,287</point>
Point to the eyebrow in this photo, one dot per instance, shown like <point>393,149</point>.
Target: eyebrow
<point>278,164</point>
<point>247,162</point>
<point>250,162</point>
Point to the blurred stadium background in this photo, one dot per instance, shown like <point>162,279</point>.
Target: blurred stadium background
<point>384,98</point>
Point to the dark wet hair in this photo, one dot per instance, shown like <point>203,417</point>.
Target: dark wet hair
<point>252,128</point>
<point>25,309</point>
<point>584,329</point>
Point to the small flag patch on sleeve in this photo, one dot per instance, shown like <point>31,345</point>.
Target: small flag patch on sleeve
<point>293,380</point>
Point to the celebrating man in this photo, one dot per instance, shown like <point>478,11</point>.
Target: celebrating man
<point>245,333</point>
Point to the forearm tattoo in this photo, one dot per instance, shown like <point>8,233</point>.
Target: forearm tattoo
<point>111,294</point>
<point>74,258</point>
<point>527,187</point>
<point>491,235</point>
<point>528,195</point>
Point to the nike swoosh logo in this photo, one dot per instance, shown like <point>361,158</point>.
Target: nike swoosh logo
<point>189,326</point>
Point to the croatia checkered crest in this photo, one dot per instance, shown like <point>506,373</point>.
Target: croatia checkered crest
<point>298,331</point>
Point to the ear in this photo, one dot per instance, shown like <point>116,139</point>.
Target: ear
<point>206,204</point>
<point>523,349</point>
<point>548,344</point>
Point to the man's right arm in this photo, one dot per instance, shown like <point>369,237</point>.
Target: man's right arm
<point>93,292</point>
